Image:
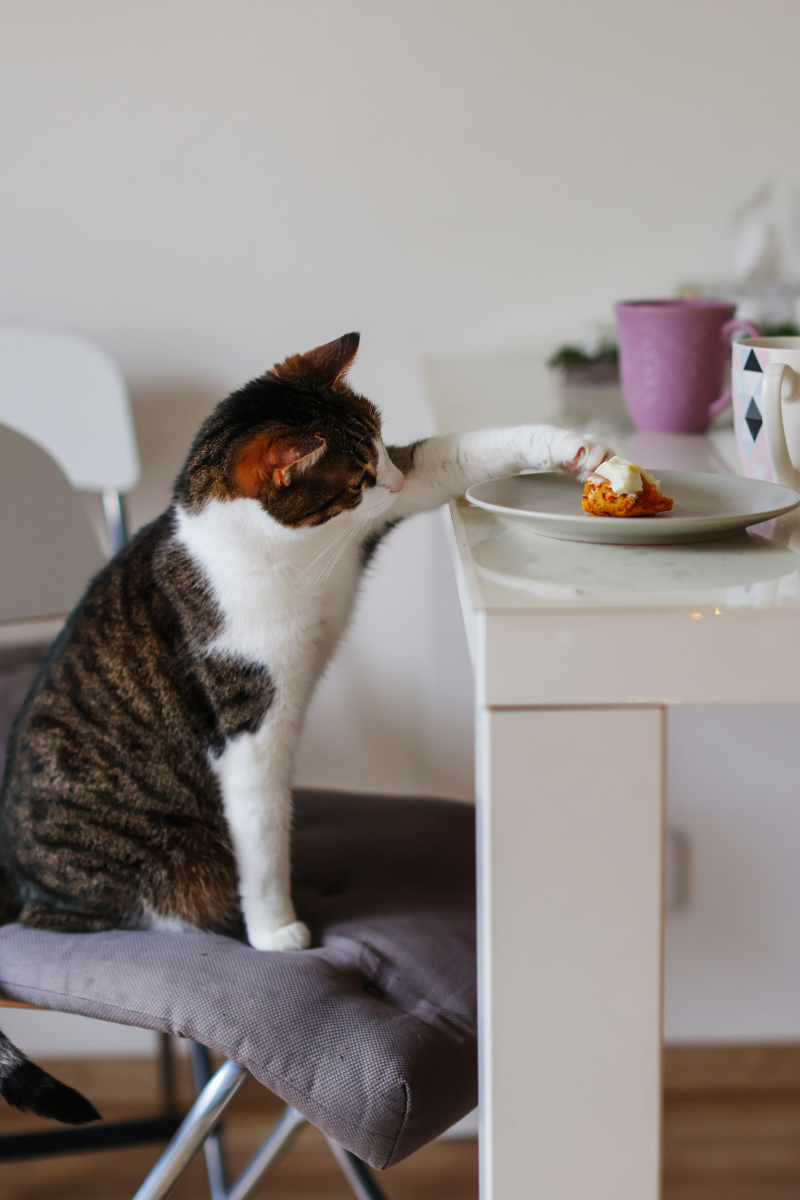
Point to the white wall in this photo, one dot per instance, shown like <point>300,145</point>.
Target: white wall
<point>733,954</point>
<point>205,186</point>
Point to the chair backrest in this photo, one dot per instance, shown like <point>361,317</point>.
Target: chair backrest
<point>69,397</point>
<point>48,551</point>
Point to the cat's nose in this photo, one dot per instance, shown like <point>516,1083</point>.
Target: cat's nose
<point>389,476</point>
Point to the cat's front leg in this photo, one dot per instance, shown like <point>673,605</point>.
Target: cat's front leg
<point>257,803</point>
<point>441,468</point>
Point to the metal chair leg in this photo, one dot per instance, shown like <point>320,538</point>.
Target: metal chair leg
<point>356,1172</point>
<point>198,1130</point>
<point>166,1062</point>
<point>201,1120</point>
<point>212,1146</point>
<point>114,513</point>
<point>272,1150</point>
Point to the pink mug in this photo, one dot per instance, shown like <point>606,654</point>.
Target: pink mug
<point>672,356</point>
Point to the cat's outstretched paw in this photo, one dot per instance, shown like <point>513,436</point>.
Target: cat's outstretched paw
<point>580,454</point>
<point>289,937</point>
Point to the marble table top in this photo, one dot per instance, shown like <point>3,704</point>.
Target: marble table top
<point>507,567</point>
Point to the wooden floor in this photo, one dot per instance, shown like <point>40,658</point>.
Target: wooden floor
<point>732,1123</point>
<point>732,1148</point>
<point>731,1132</point>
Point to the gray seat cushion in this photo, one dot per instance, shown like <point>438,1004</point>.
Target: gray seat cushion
<point>371,1034</point>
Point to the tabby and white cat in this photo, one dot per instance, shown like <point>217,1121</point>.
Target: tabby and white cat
<point>149,770</point>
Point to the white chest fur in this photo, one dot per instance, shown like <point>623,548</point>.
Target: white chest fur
<point>284,595</point>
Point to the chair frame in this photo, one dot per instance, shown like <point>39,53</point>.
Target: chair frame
<point>201,1127</point>
<point>115,518</point>
<point>44,370</point>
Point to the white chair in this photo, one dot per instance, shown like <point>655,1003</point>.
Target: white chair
<point>48,551</point>
<point>68,396</point>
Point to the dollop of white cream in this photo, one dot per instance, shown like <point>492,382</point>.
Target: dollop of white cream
<point>625,477</point>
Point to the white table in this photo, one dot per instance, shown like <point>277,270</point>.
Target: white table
<point>577,652</point>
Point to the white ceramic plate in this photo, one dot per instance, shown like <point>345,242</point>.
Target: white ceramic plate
<point>706,507</point>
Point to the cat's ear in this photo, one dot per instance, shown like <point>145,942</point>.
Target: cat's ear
<point>275,459</point>
<point>324,365</point>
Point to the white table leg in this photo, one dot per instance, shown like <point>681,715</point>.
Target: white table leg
<point>570,952</point>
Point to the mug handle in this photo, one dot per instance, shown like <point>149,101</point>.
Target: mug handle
<point>726,331</point>
<point>772,411</point>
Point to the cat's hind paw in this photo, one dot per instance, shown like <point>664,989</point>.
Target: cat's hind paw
<point>294,936</point>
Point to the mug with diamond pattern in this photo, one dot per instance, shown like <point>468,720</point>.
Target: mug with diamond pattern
<point>765,390</point>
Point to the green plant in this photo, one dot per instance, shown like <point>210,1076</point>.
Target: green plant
<point>785,329</point>
<point>570,358</point>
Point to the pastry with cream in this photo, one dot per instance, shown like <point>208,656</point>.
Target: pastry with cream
<point>618,488</point>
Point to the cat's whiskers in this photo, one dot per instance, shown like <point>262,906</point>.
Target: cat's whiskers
<point>348,540</point>
<point>327,548</point>
<point>338,548</point>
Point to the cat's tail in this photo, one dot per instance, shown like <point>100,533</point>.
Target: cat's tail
<point>27,1087</point>
<point>8,900</point>
<point>23,1085</point>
